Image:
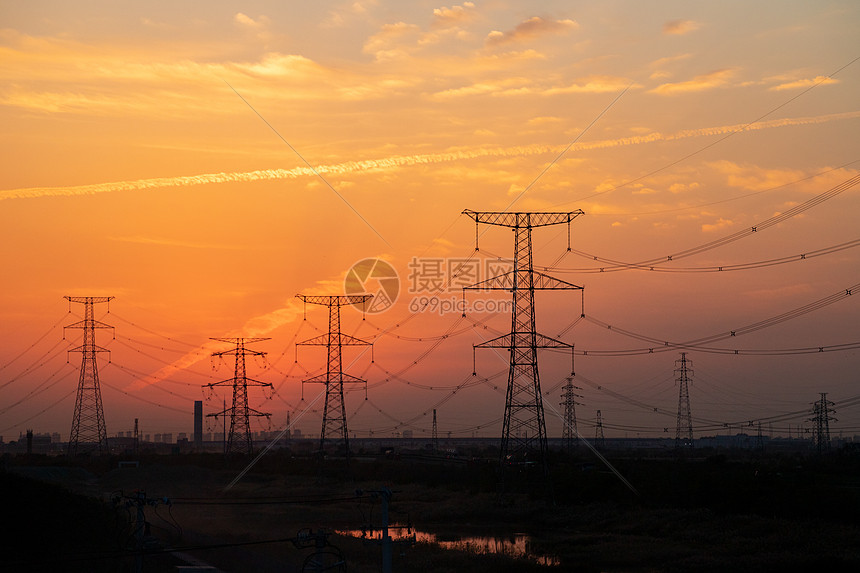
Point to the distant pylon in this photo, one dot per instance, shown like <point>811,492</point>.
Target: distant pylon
<point>599,438</point>
<point>684,428</point>
<point>334,412</point>
<point>88,432</point>
<point>821,417</point>
<point>434,436</point>
<point>759,439</point>
<point>239,438</point>
<point>136,436</point>
<point>524,437</point>
<point>569,431</point>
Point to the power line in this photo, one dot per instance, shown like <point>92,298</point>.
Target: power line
<point>311,167</point>
<point>620,266</point>
<point>718,141</point>
<point>650,264</point>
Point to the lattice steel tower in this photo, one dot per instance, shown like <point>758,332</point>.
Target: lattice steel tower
<point>599,438</point>
<point>334,412</point>
<point>821,418</point>
<point>88,422</point>
<point>569,432</point>
<point>684,427</point>
<point>239,439</point>
<point>524,427</point>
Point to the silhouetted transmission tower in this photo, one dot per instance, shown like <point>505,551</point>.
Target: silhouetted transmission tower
<point>821,418</point>
<point>334,413</point>
<point>599,438</point>
<point>569,432</point>
<point>684,428</point>
<point>524,425</point>
<point>88,422</point>
<point>239,439</point>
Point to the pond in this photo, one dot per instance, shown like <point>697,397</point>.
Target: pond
<point>515,546</point>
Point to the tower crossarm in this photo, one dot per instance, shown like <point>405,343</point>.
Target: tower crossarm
<point>326,339</point>
<point>231,381</point>
<point>529,219</point>
<point>335,300</point>
<point>507,281</point>
<point>88,324</point>
<point>335,377</point>
<point>507,341</point>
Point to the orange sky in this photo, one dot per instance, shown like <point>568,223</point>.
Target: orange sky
<point>132,167</point>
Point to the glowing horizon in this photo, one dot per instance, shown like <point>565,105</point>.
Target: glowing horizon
<point>132,169</point>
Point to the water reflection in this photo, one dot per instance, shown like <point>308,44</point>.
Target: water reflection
<point>516,546</point>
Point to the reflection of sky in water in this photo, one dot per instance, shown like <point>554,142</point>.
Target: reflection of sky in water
<point>517,545</point>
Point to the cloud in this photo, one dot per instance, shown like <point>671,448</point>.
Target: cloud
<point>592,84</point>
<point>245,20</point>
<point>169,242</point>
<point>393,41</point>
<point>680,27</point>
<point>704,82</point>
<point>445,17</point>
<point>720,224</point>
<point>805,83</point>
<point>682,187</point>
<point>521,86</point>
<point>374,166</point>
<point>755,178</point>
<point>528,29</point>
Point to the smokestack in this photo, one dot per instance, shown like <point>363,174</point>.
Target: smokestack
<point>198,425</point>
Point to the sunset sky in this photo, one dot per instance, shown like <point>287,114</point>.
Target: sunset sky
<point>204,162</point>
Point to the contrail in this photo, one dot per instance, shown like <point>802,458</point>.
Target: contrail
<point>399,161</point>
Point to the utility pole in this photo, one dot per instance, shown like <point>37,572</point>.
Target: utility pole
<point>599,438</point>
<point>136,437</point>
<point>569,432</point>
<point>821,418</point>
<point>239,439</point>
<point>524,426</point>
<point>684,427</point>
<point>88,422</point>
<point>334,412</point>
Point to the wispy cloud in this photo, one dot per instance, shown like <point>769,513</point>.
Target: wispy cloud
<point>370,166</point>
<point>719,225</point>
<point>680,27</point>
<point>700,83</point>
<point>804,83</point>
<point>445,17</point>
<point>534,27</point>
<point>160,241</point>
<point>258,326</point>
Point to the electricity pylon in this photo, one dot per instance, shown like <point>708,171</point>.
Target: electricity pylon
<point>239,439</point>
<point>569,432</point>
<point>334,412</point>
<point>821,417</point>
<point>88,422</point>
<point>524,426</point>
<point>599,438</point>
<point>684,427</point>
